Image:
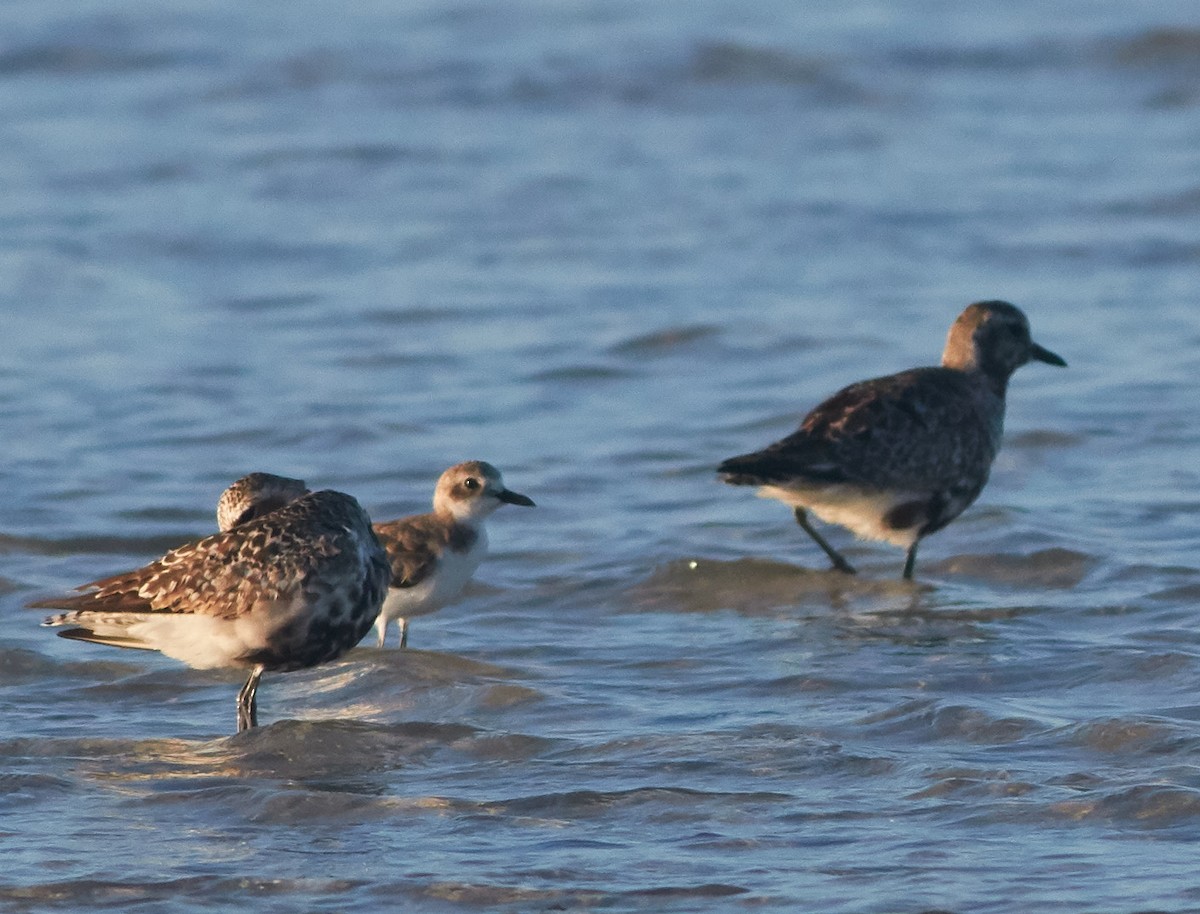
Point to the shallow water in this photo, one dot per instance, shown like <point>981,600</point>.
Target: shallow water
<point>605,246</point>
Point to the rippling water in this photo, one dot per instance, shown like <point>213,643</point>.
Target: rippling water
<point>605,245</point>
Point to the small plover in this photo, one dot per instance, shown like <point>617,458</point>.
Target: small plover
<point>897,458</point>
<point>434,555</point>
<point>293,588</point>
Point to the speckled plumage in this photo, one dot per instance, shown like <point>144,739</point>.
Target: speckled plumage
<point>290,589</point>
<point>254,495</point>
<point>898,457</point>
<point>433,555</point>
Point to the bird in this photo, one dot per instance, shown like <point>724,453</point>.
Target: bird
<point>897,458</point>
<point>285,590</point>
<point>433,555</point>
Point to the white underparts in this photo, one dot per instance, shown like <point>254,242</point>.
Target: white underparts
<point>453,571</point>
<point>859,510</point>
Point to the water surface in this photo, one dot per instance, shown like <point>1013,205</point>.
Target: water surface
<point>604,246</point>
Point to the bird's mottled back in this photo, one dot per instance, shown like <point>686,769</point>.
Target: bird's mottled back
<point>323,535</point>
<point>909,430</point>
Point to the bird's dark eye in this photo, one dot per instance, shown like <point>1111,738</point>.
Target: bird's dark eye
<point>471,483</point>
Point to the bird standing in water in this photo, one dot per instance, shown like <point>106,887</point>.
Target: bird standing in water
<point>295,587</point>
<point>434,555</point>
<point>897,458</point>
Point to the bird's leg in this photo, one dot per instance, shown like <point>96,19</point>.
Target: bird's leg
<point>381,630</point>
<point>403,632</point>
<point>910,561</point>
<point>247,701</point>
<point>839,562</point>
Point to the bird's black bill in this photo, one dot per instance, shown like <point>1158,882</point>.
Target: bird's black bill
<point>1045,355</point>
<point>515,498</point>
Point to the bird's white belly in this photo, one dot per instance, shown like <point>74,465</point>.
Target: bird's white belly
<point>451,575</point>
<point>862,511</point>
<point>202,642</point>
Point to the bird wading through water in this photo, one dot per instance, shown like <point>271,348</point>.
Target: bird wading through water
<point>897,458</point>
<point>293,588</point>
<point>434,555</point>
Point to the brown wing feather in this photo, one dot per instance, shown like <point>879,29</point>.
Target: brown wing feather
<point>412,545</point>
<point>221,575</point>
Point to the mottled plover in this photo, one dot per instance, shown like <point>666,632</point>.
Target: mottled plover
<point>434,555</point>
<point>899,457</point>
<point>293,588</point>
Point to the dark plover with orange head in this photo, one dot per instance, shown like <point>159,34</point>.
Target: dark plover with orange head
<point>897,458</point>
<point>292,588</point>
<point>434,555</point>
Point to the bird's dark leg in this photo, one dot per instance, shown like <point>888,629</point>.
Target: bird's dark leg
<point>403,632</point>
<point>839,562</point>
<point>247,701</point>
<point>910,561</point>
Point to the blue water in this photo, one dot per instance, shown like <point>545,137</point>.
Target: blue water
<point>605,246</point>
